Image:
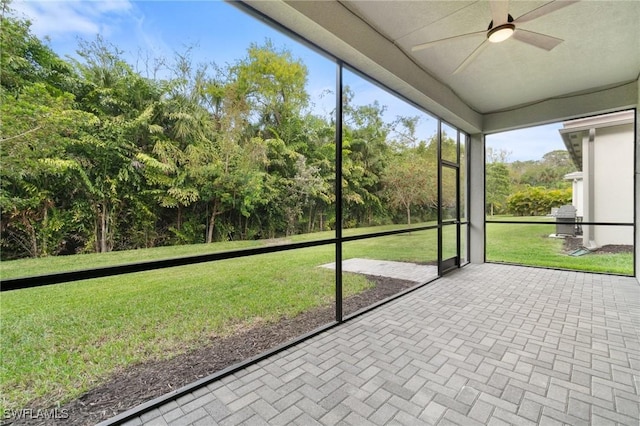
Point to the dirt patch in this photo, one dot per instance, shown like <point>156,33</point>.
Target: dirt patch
<point>574,243</point>
<point>571,244</point>
<point>140,383</point>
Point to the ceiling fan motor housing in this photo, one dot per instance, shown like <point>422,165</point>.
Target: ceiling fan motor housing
<point>501,32</point>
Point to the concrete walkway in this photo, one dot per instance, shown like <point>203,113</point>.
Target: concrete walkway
<point>487,344</point>
<point>385,268</point>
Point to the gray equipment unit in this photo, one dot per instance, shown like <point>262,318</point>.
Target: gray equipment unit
<point>563,215</point>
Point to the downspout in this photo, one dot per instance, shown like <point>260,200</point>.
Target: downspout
<point>591,244</point>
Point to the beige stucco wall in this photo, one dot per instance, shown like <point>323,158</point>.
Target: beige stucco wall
<point>613,183</point>
<point>577,196</point>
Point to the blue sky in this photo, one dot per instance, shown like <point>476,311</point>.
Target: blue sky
<point>527,144</point>
<point>218,32</point>
<point>160,27</point>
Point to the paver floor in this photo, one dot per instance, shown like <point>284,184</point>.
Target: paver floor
<point>487,344</point>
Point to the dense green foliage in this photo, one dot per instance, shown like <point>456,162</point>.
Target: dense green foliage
<point>97,158</point>
<point>537,201</point>
<point>498,187</point>
<point>527,188</point>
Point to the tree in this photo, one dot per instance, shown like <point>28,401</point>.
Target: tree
<point>303,190</point>
<point>25,60</point>
<point>531,180</point>
<point>494,155</point>
<point>123,161</point>
<point>123,105</point>
<point>406,182</point>
<point>273,83</point>
<point>418,193</point>
<point>548,172</point>
<point>498,186</point>
<point>186,125</point>
<point>320,154</point>
<point>39,122</point>
<point>365,149</point>
<point>37,178</point>
<point>559,159</point>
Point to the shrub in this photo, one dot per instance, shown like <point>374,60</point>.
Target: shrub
<point>537,201</point>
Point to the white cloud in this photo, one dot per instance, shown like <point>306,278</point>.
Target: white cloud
<point>72,17</point>
<point>120,22</point>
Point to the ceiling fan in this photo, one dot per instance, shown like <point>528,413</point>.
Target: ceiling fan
<point>503,27</point>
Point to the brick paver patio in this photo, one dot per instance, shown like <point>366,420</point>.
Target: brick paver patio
<point>488,344</point>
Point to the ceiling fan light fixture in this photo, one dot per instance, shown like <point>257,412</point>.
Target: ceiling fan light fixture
<point>501,33</point>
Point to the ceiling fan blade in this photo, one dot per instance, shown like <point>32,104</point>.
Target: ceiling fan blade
<point>471,57</point>
<point>545,9</point>
<point>541,41</point>
<point>422,46</point>
<point>499,12</point>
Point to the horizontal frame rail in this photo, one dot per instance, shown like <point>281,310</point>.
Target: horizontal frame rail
<point>66,277</point>
<point>533,222</point>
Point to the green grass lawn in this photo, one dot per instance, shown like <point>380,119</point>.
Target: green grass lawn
<point>32,267</point>
<point>529,244</point>
<point>29,267</point>
<point>59,341</point>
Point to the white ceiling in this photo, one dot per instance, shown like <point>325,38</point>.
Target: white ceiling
<point>601,47</point>
<point>509,85</point>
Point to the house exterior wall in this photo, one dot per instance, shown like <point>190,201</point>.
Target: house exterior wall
<point>578,196</point>
<point>612,183</point>
<point>577,192</point>
<point>603,149</point>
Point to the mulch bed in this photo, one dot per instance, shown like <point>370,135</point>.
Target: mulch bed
<point>574,243</point>
<point>140,383</point>
<point>614,249</point>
